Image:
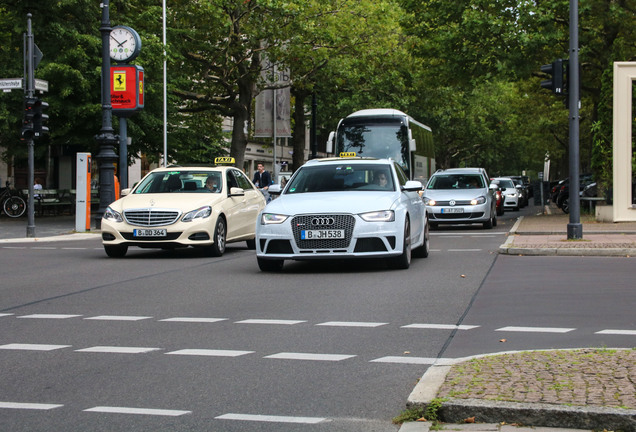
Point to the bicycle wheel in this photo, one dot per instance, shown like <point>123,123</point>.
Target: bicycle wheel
<point>14,206</point>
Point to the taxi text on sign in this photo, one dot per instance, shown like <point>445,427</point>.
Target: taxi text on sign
<point>126,89</point>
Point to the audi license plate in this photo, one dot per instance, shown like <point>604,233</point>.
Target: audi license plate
<point>321,234</point>
<point>452,210</point>
<point>149,233</point>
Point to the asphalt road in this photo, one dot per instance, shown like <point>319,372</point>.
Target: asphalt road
<point>180,342</point>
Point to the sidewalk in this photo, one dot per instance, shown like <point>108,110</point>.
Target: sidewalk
<point>47,228</point>
<point>547,235</point>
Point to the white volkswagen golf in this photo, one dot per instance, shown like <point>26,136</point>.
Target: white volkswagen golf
<point>344,208</point>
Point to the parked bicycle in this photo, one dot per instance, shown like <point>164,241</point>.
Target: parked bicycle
<point>12,204</point>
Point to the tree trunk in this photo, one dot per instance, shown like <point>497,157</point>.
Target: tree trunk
<point>241,115</point>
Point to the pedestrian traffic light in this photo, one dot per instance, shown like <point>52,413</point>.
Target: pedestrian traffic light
<point>556,83</point>
<point>27,120</point>
<point>40,119</point>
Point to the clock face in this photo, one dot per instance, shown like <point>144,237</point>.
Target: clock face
<point>124,44</point>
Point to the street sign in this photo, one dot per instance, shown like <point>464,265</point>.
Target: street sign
<point>10,83</point>
<point>41,85</point>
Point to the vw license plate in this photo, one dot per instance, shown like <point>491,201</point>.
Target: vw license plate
<point>452,210</point>
<point>321,234</point>
<point>149,233</point>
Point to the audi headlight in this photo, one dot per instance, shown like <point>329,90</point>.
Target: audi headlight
<point>514,195</point>
<point>201,213</point>
<point>271,218</point>
<point>478,200</point>
<point>112,215</point>
<point>379,216</point>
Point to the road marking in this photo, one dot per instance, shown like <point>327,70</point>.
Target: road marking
<point>33,347</point>
<point>118,318</point>
<point>118,350</point>
<point>44,248</point>
<point>309,356</point>
<point>5,314</point>
<point>351,324</point>
<point>441,326</point>
<point>482,236</point>
<point>193,320</point>
<point>142,411</point>
<point>13,247</point>
<point>49,316</point>
<point>210,352</point>
<point>31,406</point>
<point>270,321</point>
<point>536,329</point>
<point>270,418</point>
<point>617,332</point>
<point>465,250</point>
<point>74,248</point>
<point>406,360</point>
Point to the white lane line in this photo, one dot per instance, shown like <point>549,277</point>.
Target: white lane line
<point>270,321</point>
<point>482,236</point>
<point>30,406</point>
<point>465,250</point>
<point>309,356</point>
<point>455,234</point>
<point>74,248</point>
<point>271,418</point>
<point>13,247</point>
<point>44,248</point>
<point>118,318</point>
<point>440,326</point>
<point>5,314</point>
<point>32,347</point>
<point>435,250</point>
<point>118,350</point>
<point>193,320</point>
<point>49,316</point>
<point>536,329</point>
<point>617,332</point>
<point>142,411</point>
<point>351,324</point>
<point>406,360</point>
<point>210,352</point>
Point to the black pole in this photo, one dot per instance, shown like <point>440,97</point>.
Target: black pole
<point>312,137</point>
<point>574,229</point>
<point>29,86</point>
<point>123,152</point>
<point>107,140</point>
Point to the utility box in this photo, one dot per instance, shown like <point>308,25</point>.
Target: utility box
<point>83,193</point>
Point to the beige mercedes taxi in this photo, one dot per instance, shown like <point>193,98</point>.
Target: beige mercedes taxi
<point>175,207</point>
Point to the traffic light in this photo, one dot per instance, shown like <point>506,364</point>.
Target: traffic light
<point>556,83</point>
<point>40,119</point>
<point>27,121</point>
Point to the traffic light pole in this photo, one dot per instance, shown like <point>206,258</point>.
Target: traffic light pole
<point>29,87</point>
<point>574,229</point>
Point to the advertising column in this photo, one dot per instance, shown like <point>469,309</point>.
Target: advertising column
<point>83,193</point>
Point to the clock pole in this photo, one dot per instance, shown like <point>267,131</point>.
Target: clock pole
<point>106,139</point>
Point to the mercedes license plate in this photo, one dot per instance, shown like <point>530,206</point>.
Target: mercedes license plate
<point>453,210</point>
<point>321,234</point>
<point>150,233</point>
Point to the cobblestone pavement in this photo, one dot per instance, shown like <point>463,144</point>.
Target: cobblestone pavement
<point>599,377</point>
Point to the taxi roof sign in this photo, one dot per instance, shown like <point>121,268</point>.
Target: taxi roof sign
<point>222,160</point>
<point>347,154</point>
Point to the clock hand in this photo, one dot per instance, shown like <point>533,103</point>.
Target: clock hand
<point>116,41</point>
<point>120,44</point>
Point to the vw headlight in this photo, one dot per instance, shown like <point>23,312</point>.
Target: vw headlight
<point>271,218</point>
<point>478,200</point>
<point>429,201</point>
<point>112,215</point>
<point>379,216</point>
<point>202,212</point>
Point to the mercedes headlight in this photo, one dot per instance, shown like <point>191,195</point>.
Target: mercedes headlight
<point>112,215</point>
<point>202,213</point>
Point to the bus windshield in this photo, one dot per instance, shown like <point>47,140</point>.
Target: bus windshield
<point>379,140</point>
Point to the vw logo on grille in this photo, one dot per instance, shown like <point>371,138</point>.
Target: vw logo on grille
<point>322,221</point>
<point>452,202</point>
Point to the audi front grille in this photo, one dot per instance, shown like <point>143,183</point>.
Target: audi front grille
<point>151,217</point>
<point>323,222</point>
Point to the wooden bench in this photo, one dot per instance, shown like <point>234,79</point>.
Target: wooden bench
<point>54,201</point>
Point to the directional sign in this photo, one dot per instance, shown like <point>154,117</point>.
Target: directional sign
<point>10,83</point>
<point>41,85</point>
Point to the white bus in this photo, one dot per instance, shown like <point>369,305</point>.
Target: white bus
<point>387,133</point>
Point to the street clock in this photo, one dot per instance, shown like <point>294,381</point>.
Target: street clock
<point>125,44</point>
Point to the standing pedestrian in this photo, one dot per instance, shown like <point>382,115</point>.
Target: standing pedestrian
<point>262,180</point>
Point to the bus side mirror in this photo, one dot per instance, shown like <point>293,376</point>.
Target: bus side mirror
<point>330,140</point>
